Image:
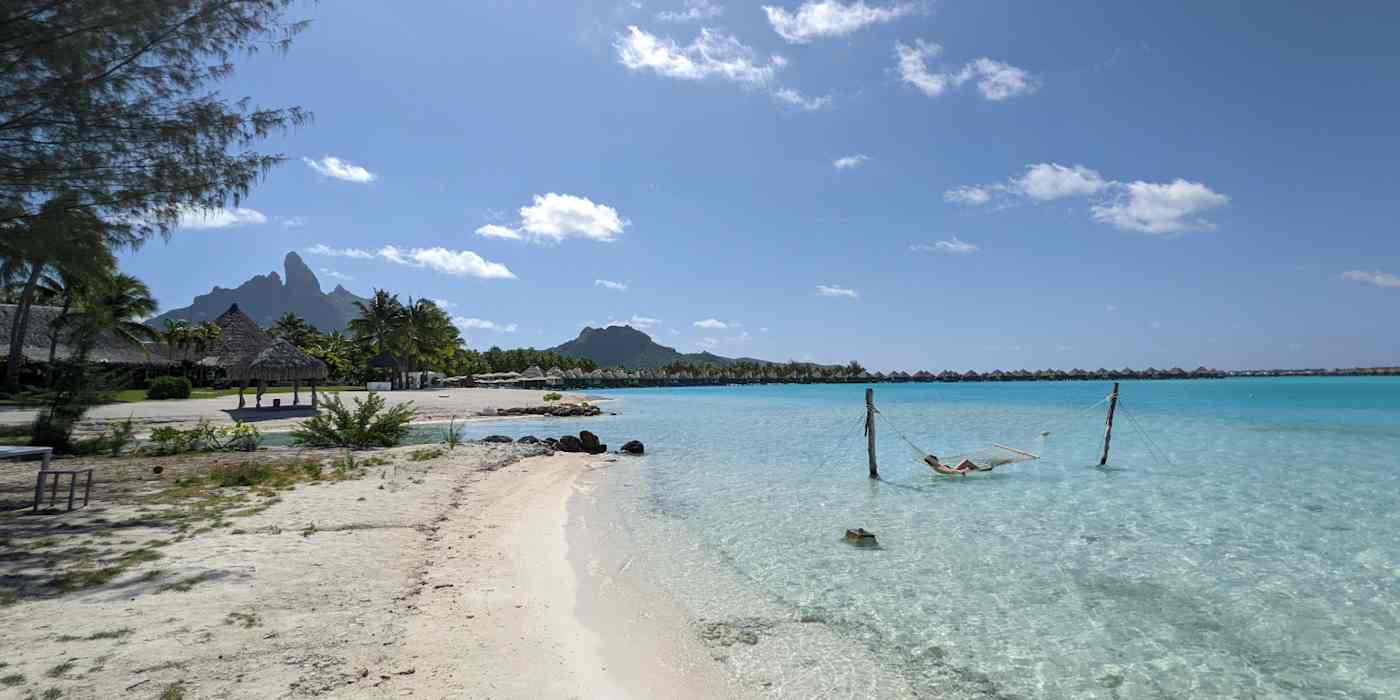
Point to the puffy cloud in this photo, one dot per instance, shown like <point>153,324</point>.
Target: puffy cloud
<point>792,97</point>
<point>1380,279</point>
<point>482,324</point>
<point>330,166</point>
<point>694,10</point>
<point>711,54</point>
<point>1157,208</point>
<point>609,284</point>
<point>1145,207</point>
<point>218,217</point>
<point>819,19</point>
<point>851,161</point>
<point>498,231</point>
<point>1046,181</point>
<point>460,263</point>
<point>829,290</point>
<point>995,80</point>
<point>554,217</point>
<point>323,249</point>
<point>954,247</point>
<point>712,323</point>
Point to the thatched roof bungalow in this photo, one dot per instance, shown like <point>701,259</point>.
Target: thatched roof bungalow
<point>43,333</point>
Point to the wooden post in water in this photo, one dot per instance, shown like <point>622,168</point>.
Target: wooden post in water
<point>870,430</point>
<point>1108,430</point>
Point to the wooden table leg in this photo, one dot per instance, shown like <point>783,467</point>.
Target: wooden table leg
<point>38,490</point>
<point>87,492</point>
<point>53,493</point>
<point>72,486</point>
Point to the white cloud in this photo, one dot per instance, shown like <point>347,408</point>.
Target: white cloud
<point>336,275</point>
<point>498,231</point>
<point>461,263</point>
<point>638,322</point>
<point>1380,279</point>
<point>913,67</point>
<point>694,10</point>
<point>801,101</point>
<point>330,166</point>
<point>995,80</point>
<point>323,249</point>
<point>828,290</point>
<point>218,217</point>
<point>954,247</point>
<point>609,284</point>
<point>971,196</point>
<point>712,54</point>
<point>1157,208</point>
<point>554,217</point>
<point>1146,207</point>
<point>294,222</point>
<point>712,323</point>
<point>482,324</point>
<point>442,303</point>
<point>851,161</point>
<point>819,19</point>
<point>1047,181</point>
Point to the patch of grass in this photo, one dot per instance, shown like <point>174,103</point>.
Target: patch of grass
<point>51,694</point>
<point>59,669</point>
<point>8,598</point>
<point>105,634</point>
<point>425,454</point>
<point>12,680</point>
<point>309,530</point>
<point>185,584</point>
<point>174,691</point>
<point>245,620</point>
<point>139,556</point>
<point>78,579</point>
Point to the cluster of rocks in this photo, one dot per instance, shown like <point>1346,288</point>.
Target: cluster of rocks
<point>585,441</point>
<point>558,410</point>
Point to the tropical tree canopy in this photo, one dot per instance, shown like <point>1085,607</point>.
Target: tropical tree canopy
<point>113,103</point>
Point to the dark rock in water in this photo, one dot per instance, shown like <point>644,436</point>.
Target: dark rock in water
<point>497,438</point>
<point>591,444</point>
<point>861,537</point>
<point>558,410</point>
<point>569,443</point>
<point>550,441</point>
<point>633,447</point>
<point>529,440</point>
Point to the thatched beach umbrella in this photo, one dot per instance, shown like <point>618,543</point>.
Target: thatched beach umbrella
<point>240,340</point>
<point>281,362</point>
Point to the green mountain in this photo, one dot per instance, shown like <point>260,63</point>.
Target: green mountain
<point>625,346</point>
<point>265,297</point>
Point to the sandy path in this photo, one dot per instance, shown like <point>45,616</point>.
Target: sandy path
<point>432,405</point>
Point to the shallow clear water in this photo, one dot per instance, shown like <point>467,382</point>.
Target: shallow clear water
<point>1255,552</point>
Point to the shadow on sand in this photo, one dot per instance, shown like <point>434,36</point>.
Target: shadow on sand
<point>253,415</point>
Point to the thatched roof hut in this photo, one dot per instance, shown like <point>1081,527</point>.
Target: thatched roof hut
<point>107,348</point>
<point>240,340</point>
<point>281,362</point>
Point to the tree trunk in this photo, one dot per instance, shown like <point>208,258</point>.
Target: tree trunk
<point>296,392</point>
<point>53,339</point>
<point>20,327</point>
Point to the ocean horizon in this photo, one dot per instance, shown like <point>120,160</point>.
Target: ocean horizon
<point>1240,542</point>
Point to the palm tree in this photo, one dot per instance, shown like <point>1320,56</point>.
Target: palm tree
<point>337,351</point>
<point>378,322</point>
<point>294,329</point>
<point>73,241</point>
<point>177,336</point>
<point>118,306</point>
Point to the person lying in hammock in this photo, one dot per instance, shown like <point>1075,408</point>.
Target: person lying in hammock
<point>964,467</point>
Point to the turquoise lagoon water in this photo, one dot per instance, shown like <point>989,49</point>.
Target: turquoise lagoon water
<point>1251,548</point>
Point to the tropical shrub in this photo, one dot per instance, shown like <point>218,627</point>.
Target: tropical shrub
<point>76,388</point>
<point>163,388</point>
<point>206,437</point>
<point>369,424</point>
<point>552,396</point>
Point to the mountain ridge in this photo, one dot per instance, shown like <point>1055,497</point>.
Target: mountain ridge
<point>625,346</point>
<point>265,297</point>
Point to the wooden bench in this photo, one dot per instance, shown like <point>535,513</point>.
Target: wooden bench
<point>54,475</point>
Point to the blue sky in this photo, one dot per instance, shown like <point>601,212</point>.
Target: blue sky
<point>914,185</point>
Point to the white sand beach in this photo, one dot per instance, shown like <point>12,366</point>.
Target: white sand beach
<point>461,575</point>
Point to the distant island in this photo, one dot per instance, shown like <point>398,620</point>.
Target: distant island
<point>264,298</point>
<point>627,347</point>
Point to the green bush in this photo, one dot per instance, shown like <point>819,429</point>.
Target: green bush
<point>368,425</point>
<point>552,396</point>
<point>206,437</point>
<point>162,388</point>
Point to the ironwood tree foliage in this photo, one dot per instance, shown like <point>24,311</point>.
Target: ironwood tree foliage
<point>114,102</point>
